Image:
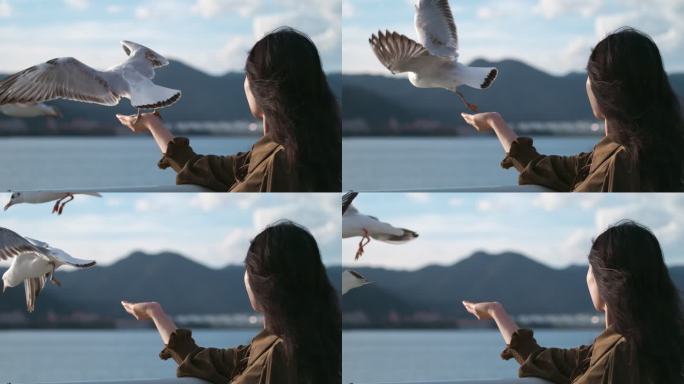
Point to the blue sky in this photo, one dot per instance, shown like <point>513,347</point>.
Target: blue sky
<point>555,229</point>
<point>213,35</point>
<point>554,35</point>
<point>213,229</point>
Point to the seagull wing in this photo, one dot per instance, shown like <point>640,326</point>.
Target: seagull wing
<point>63,78</point>
<point>405,236</point>
<point>400,54</point>
<point>347,199</point>
<point>62,256</point>
<point>352,279</point>
<point>32,287</point>
<point>436,28</point>
<point>13,244</point>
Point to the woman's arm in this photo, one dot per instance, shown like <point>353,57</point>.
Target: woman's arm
<point>493,121</point>
<point>151,122</point>
<point>152,311</point>
<point>496,312</point>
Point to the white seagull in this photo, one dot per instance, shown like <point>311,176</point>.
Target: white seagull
<point>433,61</point>
<point>352,279</point>
<point>33,263</point>
<point>60,198</point>
<point>68,78</point>
<point>30,110</point>
<point>357,224</point>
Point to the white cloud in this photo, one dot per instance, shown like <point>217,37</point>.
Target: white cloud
<point>553,8</point>
<point>214,8</point>
<point>420,198</point>
<point>5,8</point>
<point>348,9</point>
<point>77,4</point>
<point>114,9</point>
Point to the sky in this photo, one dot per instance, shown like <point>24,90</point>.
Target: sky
<point>553,35</point>
<point>210,228</point>
<point>212,35</point>
<point>552,228</point>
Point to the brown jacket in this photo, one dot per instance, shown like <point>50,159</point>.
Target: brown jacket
<point>262,169</point>
<point>606,361</point>
<point>260,362</point>
<point>605,169</point>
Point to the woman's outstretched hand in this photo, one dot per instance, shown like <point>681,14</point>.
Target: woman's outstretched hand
<point>140,124</point>
<point>483,311</point>
<point>482,122</point>
<point>142,311</point>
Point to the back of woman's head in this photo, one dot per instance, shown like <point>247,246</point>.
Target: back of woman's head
<point>643,303</point>
<point>633,91</point>
<point>287,80</point>
<point>291,287</point>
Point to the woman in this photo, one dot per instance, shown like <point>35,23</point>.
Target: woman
<point>301,149</point>
<point>643,340</point>
<point>302,338</point>
<point>643,147</point>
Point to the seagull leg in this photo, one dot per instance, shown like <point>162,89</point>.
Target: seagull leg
<point>57,204</point>
<point>468,105</point>
<point>364,241</point>
<point>54,280</point>
<point>68,199</point>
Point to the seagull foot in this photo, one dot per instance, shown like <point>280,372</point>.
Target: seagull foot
<point>56,282</point>
<point>364,241</point>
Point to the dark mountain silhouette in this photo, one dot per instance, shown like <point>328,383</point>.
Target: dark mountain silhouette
<point>205,98</point>
<point>520,93</point>
<point>523,285</point>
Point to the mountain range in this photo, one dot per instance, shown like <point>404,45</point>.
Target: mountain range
<point>521,93</point>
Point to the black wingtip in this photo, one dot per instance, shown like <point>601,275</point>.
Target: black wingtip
<point>161,104</point>
<point>490,78</point>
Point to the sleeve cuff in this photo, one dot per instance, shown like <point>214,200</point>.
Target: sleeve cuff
<point>178,153</point>
<point>180,345</point>
<point>522,152</point>
<point>521,347</point>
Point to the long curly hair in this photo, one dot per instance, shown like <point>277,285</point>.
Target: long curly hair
<point>290,283</point>
<point>287,80</point>
<point>634,93</point>
<point>643,303</point>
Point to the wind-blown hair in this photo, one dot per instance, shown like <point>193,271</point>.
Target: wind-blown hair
<point>290,284</point>
<point>634,93</point>
<point>287,80</point>
<point>643,303</point>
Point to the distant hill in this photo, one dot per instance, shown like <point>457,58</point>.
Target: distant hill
<point>523,285</point>
<point>205,98</point>
<point>180,284</point>
<point>521,93</point>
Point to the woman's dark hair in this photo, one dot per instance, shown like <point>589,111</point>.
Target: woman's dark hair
<point>634,92</point>
<point>288,82</point>
<point>300,305</point>
<point>643,303</point>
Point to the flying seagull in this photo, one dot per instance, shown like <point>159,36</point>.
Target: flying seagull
<point>357,224</point>
<point>68,78</point>
<point>60,198</point>
<point>352,279</point>
<point>432,62</point>
<point>29,110</point>
<point>33,263</point>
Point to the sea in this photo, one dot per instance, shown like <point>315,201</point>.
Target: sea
<point>39,163</point>
<point>369,356</point>
<point>400,164</point>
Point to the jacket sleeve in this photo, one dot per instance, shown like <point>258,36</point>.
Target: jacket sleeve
<point>211,364</point>
<point>553,364</point>
<point>217,173</point>
<point>559,173</point>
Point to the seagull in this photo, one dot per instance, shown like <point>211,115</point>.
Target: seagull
<point>62,198</point>
<point>357,224</point>
<point>29,110</point>
<point>33,263</point>
<point>68,78</point>
<point>433,61</point>
<point>352,279</point>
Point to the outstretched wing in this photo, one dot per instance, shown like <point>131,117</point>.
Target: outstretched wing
<point>63,78</point>
<point>13,244</point>
<point>436,28</point>
<point>62,256</point>
<point>400,54</point>
<point>32,287</point>
<point>347,199</point>
<point>403,237</point>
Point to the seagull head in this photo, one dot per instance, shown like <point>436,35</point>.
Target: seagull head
<point>16,198</point>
